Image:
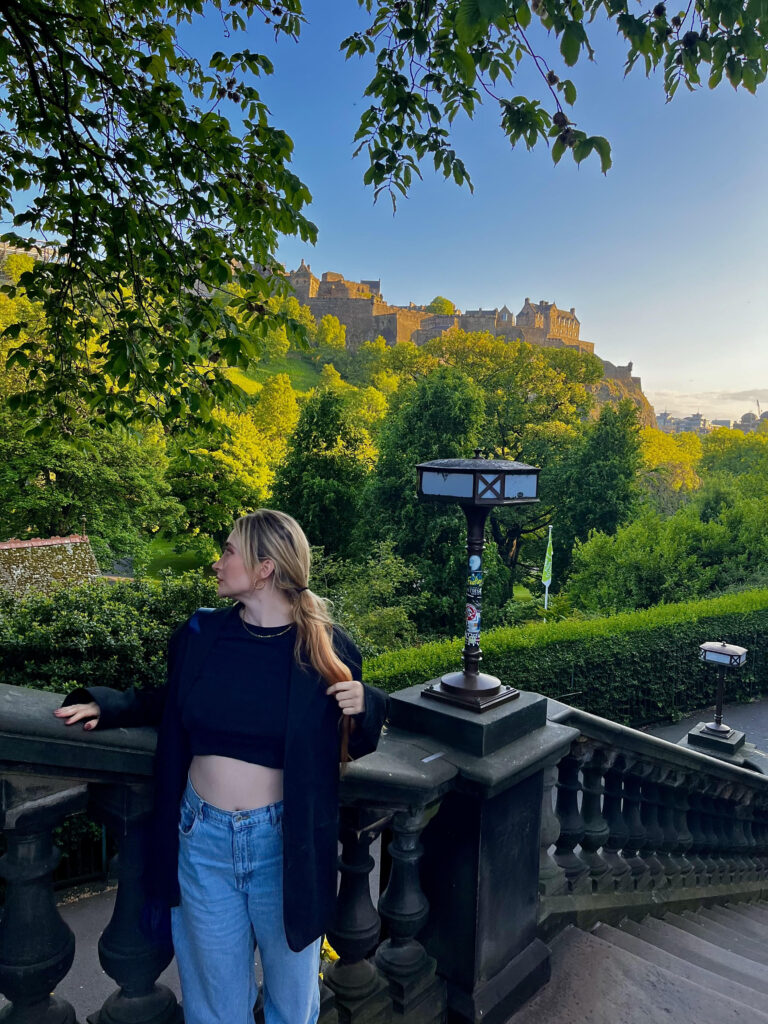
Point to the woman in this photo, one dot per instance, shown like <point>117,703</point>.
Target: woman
<point>263,699</point>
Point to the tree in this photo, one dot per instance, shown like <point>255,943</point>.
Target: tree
<point>118,149</point>
<point>328,460</point>
<point>220,473</point>
<point>597,486</point>
<point>438,416</point>
<point>669,467</point>
<point>113,480</point>
<point>434,60</point>
<point>331,335</point>
<point>276,412</point>
<point>441,306</point>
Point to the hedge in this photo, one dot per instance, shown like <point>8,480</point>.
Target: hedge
<point>636,667</point>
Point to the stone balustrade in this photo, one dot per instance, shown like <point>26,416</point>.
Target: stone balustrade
<point>496,831</point>
<point>641,825</point>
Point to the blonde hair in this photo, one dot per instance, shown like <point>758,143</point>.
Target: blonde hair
<point>267,533</point>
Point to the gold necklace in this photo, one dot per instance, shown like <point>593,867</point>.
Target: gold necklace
<point>264,636</point>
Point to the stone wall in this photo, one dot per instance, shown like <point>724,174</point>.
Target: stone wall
<point>40,564</point>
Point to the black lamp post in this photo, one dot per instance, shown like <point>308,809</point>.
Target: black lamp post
<point>724,656</point>
<point>478,485</point>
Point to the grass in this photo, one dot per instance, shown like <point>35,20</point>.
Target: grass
<point>303,374</point>
<point>162,556</point>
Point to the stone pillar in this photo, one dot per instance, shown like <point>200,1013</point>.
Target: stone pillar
<point>480,868</point>
<point>126,955</point>
<point>36,946</point>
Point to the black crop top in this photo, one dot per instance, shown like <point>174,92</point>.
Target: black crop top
<point>238,707</point>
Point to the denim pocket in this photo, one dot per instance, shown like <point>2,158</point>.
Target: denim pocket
<point>188,818</point>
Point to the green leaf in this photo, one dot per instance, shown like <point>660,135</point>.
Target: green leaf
<point>523,14</point>
<point>471,25</point>
<point>570,44</point>
<point>604,151</point>
<point>466,66</point>
<point>557,151</point>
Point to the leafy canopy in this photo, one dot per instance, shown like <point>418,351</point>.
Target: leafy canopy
<point>159,182</point>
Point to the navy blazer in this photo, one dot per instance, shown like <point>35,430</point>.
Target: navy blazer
<point>310,780</point>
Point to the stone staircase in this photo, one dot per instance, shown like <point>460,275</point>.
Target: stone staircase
<point>708,966</point>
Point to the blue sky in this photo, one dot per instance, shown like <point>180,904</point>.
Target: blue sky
<point>665,258</point>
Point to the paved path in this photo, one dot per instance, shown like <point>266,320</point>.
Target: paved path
<point>749,718</point>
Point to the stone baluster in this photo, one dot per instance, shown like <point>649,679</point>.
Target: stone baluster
<point>614,813</point>
<point>668,843</point>
<point>596,829</point>
<point>680,786</point>
<point>653,839</point>
<point>712,844</point>
<point>701,873</point>
<point>571,826</point>
<point>418,995</point>
<point>760,832</point>
<point>725,831</point>
<point>36,946</point>
<point>734,809</point>
<point>633,781</point>
<point>126,955</point>
<point>751,829</point>
<point>552,880</point>
<point>361,992</point>
<point>747,818</point>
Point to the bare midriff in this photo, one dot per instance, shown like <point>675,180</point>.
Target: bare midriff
<point>235,785</point>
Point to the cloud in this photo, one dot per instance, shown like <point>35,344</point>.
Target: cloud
<point>711,404</point>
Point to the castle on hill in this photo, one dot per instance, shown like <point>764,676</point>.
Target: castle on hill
<point>360,306</point>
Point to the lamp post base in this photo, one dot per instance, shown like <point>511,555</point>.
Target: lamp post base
<point>718,728</point>
<point>474,692</point>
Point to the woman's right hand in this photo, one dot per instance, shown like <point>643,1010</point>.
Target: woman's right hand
<point>77,712</point>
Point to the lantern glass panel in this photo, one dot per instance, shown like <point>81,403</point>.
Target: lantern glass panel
<point>717,658</point>
<point>520,485</point>
<point>447,485</point>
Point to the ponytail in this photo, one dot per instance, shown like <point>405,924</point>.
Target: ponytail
<point>314,638</point>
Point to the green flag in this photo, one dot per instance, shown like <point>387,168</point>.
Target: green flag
<point>546,575</point>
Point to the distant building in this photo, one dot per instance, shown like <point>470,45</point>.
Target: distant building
<point>360,306</point>
<point>748,423</point>
<point>694,424</point>
<point>723,423</point>
<point>40,564</point>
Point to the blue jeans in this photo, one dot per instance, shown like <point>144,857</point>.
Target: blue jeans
<point>231,879</point>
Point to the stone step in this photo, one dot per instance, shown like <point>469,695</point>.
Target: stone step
<point>739,922</point>
<point>697,951</point>
<point>755,911</point>
<point>623,988</point>
<point>727,938</point>
<point>721,983</point>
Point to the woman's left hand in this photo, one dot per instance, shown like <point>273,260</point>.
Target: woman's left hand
<point>349,695</point>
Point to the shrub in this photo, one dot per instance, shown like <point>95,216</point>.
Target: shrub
<point>635,668</point>
<point>97,633</point>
